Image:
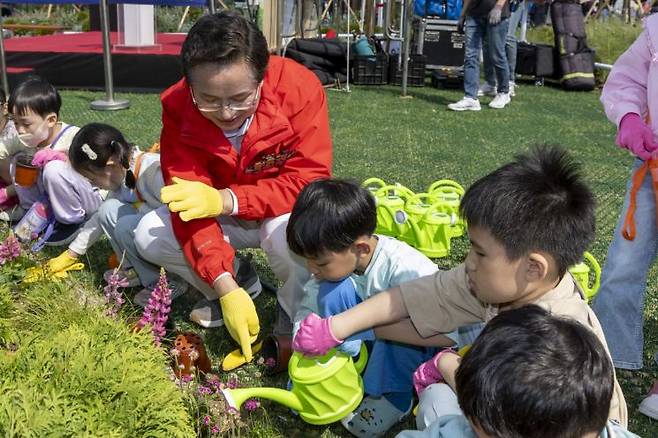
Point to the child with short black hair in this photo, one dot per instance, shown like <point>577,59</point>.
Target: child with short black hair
<point>528,222</point>
<point>529,374</point>
<point>43,141</point>
<point>332,225</point>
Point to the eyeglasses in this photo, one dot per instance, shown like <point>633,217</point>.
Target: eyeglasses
<point>233,107</point>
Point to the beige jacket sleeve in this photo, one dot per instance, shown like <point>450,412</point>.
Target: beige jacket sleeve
<point>567,301</point>
<point>441,302</point>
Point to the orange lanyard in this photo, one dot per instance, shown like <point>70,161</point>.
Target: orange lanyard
<point>628,230</point>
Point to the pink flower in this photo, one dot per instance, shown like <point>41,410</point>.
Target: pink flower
<point>157,310</point>
<point>206,420</point>
<point>251,405</point>
<point>9,249</point>
<point>270,362</point>
<point>232,381</point>
<point>114,298</point>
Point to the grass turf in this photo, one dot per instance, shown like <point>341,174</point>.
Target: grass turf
<point>415,142</point>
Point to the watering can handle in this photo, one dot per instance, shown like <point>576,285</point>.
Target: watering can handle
<point>401,191</point>
<point>360,364</point>
<point>439,207</point>
<point>420,196</point>
<point>436,185</point>
<point>589,259</point>
<point>373,182</point>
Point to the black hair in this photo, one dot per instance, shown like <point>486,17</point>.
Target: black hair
<point>36,95</point>
<point>530,374</point>
<point>223,39</point>
<point>95,144</point>
<point>538,202</point>
<point>330,215</point>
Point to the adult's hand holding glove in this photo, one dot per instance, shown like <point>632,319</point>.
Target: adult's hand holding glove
<point>46,155</point>
<point>56,267</point>
<point>192,199</point>
<point>241,319</point>
<point>428,372</point>
<point>636,136</point>
<point>314,337</point>
<point>495,15</point>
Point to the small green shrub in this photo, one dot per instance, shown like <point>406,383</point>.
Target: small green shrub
<point>76,372</point>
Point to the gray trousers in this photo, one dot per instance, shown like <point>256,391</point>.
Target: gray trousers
<point>155,241</point>
<point>436,401</point>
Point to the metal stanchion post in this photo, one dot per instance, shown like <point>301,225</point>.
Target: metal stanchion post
<point>109,104</point>
<point>406,43</point>
<point>211,6</point>
<point>3,60</point>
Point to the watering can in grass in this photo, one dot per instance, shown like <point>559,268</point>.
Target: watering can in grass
<point>450,193</point>
<point>393,199</point>
<point>581,272</point>
<point>324,389</point>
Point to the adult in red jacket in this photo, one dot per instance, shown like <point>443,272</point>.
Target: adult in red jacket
<point>242,134</point>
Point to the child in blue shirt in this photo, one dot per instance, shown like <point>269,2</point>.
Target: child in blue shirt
<point>529,374</point>
<point>332,226</point>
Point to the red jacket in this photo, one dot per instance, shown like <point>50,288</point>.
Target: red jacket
<point>288,144</point>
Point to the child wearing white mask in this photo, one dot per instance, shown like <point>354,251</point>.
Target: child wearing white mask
<point>42,143</point>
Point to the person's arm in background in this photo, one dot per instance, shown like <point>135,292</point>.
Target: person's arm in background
<point>625,90</point>
<point>462,16</point>
<point>624,98</point>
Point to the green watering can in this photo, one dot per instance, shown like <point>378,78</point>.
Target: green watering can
<point>390,208</point>
<point>432,232</point>
<point>450,193</point>
<point>373,184</point>
<point>324,389</point>
<point>581,273</point>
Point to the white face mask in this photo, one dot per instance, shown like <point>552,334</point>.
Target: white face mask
<point>34,139</point>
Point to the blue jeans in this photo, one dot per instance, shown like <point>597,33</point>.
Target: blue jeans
<point>476,29</point>
<point>619,304</point>
<point>391,365</point>
<point>510,48</point>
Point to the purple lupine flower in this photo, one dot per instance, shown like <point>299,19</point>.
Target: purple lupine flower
<point>157,310</point>
<point>9,249</point>
<point>113,298</point>
<point>251,405</point>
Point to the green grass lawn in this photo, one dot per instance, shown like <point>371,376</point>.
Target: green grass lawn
<point>415,142</point>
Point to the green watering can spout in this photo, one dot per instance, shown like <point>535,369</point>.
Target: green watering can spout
<point>324,389</point>
<point>236,397</point>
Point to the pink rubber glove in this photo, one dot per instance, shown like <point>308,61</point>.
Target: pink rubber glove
<point>636,136</point>
<point>314,337</point>
<point>428,373</point>
<point>47,155</point>
<point>4,197</point>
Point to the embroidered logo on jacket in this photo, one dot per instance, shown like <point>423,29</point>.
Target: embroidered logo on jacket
<point>269,161</point>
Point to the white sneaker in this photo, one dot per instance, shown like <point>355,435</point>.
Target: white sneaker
<point>649,406</point>
<point>466,104</point>
<point>512,88</point>
<point>500,101</point>
<point>486,90</point>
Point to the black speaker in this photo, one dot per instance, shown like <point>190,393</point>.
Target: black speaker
<point>440,42</point>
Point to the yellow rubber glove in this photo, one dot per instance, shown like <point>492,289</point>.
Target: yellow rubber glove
<point>54,266</point>
<point>193,199</point>
<point>241,319</point>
